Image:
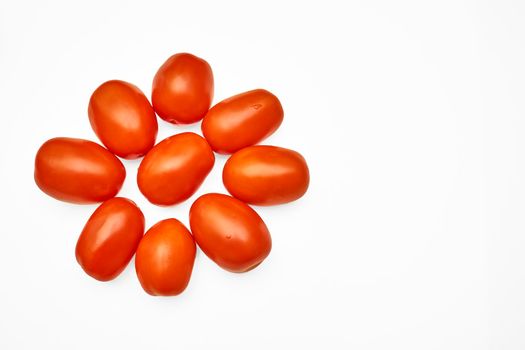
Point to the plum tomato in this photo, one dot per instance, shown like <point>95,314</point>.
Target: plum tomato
<point>123,119</point>
<point>78,171</point>
<point>175,168</point>
<point>266,175</point>
<point>229,232</point>
<point>183,89</point>
<point>110,238</point>
<point>165,258</point>
<point>242,120</point>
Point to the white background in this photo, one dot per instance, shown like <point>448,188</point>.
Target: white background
<point>409,113</point>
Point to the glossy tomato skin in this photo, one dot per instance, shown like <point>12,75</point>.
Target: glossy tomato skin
<point>78,171</point>
<point>175,168</point>
<point>183,89</point>
<point>229,232</point>
<point>110,238</point>
<point>242,120</point>
<point>123,119</point>
<point>165,258</point>
<point>266,175</point>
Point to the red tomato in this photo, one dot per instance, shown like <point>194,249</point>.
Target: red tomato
<point>165,258</point>
<point>175,168</point>
<point>123,119</point>
<point>242,120</point>
<point>183,89</point>
<point>110,238</point>
<point>229,232</point>
<point>266,175</point>
<point>78,171</point>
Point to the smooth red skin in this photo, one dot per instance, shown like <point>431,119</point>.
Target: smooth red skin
<point>175,168</point>
<point>266,175</point>
<point>165,258</point>
<point>110,238</point>
<point>123,119</point>
<point>78,171</point>
<point>242,120</point>
<point>183,89</point>
<point>229,232</point>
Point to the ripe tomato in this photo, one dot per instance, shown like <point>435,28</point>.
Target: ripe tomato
<point>266,175</point>
<point>123,119</point>
<point>183,89</point>
<point>242,120</point>
<point>78,171</point>
<point>175,168</point>
<point>229,232</point>
<point>110,238</point>
<point>165,258</point>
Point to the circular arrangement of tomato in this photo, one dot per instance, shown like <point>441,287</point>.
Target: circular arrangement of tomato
<point>226,228</point>
<point>123,119</point>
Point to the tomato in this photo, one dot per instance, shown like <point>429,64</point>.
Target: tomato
<point>123,119</point>
<point>165,258</point>
<point>229,232</point>
<point>175,168</point>
<point>78,171</point>
<point>110,238</point>
<point>183,89</point>
<point>266,175</point>
<point>242,120</point>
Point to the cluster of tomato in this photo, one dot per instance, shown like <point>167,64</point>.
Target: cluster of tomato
<point>227,230</point>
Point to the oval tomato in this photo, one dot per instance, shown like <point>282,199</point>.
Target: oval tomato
<point>266,175</point>
<point>229,232</point>
<point>242,120</point>
<point>183,89</point>
<point>123,119</point>
<point>165,258</point>
<point>175,168</point>
<point>78,171</point>
<point>110,238</point>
